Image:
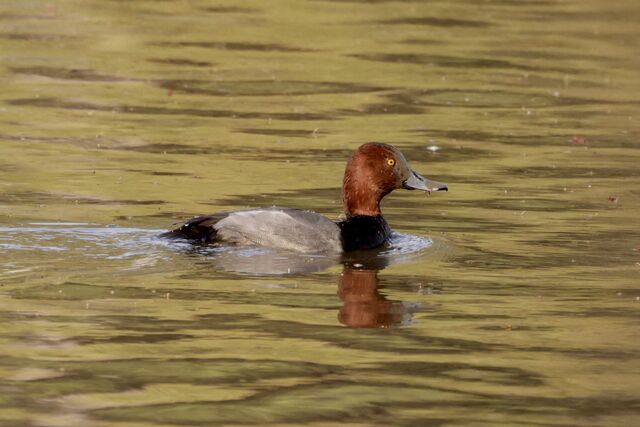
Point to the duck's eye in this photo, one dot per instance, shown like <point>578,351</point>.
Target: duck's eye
<point>391,162</point>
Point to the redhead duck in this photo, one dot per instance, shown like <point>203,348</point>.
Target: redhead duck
<point>373,171</point>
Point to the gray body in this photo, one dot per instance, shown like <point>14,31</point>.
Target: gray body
<point>282,228</point>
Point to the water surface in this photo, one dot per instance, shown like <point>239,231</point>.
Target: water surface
<point>513,299</point>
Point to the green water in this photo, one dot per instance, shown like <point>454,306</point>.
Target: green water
<point>513,299</point>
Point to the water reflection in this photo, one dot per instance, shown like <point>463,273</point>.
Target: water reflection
<point>358,286</point>
<point>261,261</point>
<point>363,306</point>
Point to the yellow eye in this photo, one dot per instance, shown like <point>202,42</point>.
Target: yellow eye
<point>391,162</point>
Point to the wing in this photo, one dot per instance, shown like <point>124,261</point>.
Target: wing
<point>283,228</point>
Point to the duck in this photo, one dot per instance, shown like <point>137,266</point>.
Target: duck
<point>372,172</point>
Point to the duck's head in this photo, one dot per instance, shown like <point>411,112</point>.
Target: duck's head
<point>373,171</point>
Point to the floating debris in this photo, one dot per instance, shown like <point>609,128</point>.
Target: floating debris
<point>579,140</point>
<point>433,148</point>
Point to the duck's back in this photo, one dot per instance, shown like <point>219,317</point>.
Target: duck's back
<point>282,228</point>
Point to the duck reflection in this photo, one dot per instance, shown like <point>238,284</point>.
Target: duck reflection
<point>363,305</point>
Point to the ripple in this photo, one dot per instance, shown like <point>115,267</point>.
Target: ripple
<point>13,247</point>
<point>435,22</point>
<point>235,46</point>
<point>82,241</point>
<point>71,104</point>
<point>180,61</point>
<point>265,87</point>
<point>407,243</point>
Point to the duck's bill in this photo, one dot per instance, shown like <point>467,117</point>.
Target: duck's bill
<point>418,182</point>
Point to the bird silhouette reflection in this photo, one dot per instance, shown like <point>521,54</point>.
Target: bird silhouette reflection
<point>363,305</point>
<point>359,286</point>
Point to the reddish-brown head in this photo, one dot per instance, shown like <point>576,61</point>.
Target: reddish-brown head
<point>373,171</point>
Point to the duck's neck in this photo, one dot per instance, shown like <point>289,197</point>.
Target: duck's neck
<point>360,197</point>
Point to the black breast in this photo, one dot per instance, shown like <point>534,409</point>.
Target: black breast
<point>363,232</point>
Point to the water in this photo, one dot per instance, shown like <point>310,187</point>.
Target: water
<point>510,300</point>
